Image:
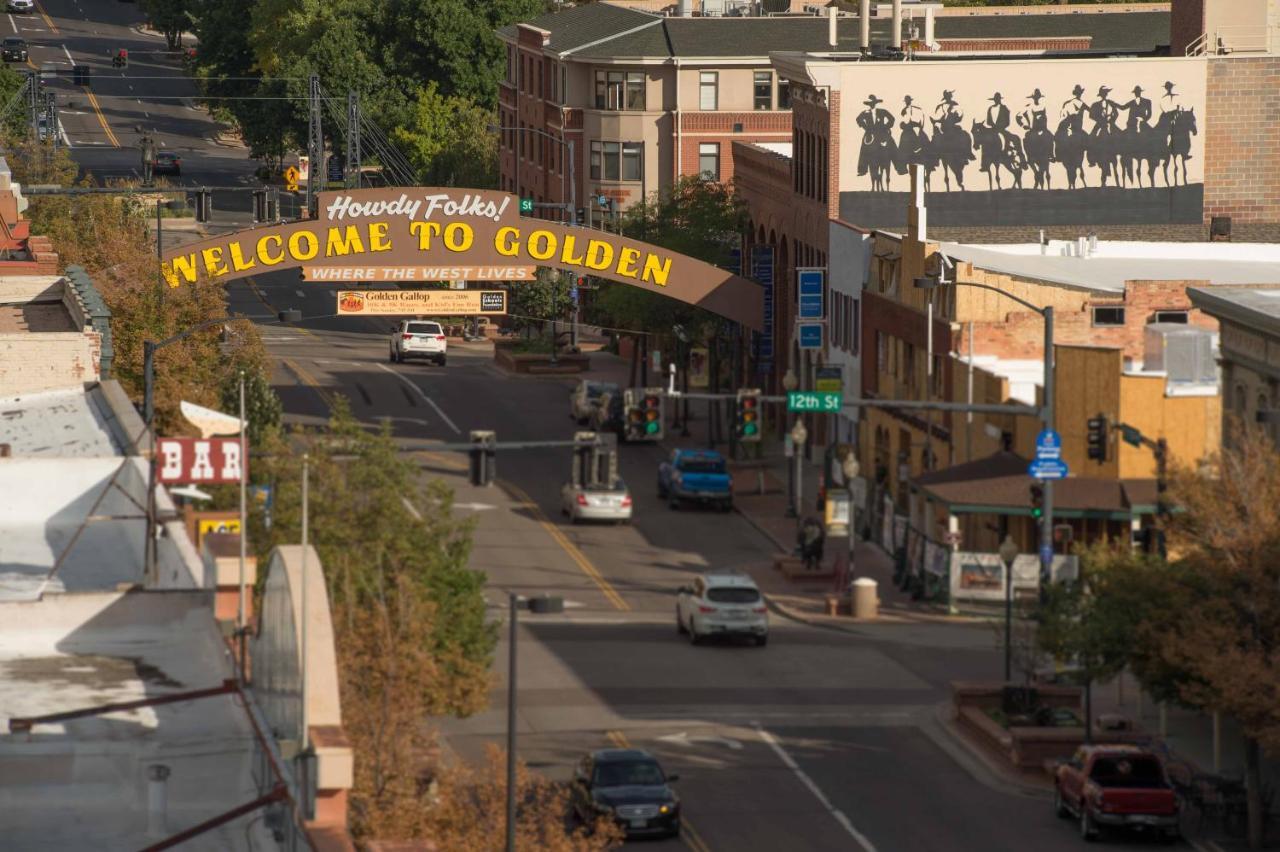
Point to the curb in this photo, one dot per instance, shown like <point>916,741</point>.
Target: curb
<point>942,731</point>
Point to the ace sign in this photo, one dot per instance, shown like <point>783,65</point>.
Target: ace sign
<point>199,461</point>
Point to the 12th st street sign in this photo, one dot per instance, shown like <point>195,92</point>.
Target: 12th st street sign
<point>814,401</point>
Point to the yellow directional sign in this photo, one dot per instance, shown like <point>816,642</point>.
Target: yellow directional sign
<point>291,179</point>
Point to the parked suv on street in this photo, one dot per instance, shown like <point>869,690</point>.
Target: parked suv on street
<point>418,339</point>
<point>722,603</point>
<point>700,475</point>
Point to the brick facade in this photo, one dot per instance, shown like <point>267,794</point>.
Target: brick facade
<point>725,128</point>
<point>1242,138</point>
<point>1013,45</point>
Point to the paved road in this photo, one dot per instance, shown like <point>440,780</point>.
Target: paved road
<point>824,740</point>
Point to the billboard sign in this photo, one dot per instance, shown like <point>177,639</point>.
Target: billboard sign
<point>198,461</point>
<point>451,303</point>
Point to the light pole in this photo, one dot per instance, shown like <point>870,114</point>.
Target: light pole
<point>799,435</point>
<point>789,384</point>
<point>850,468</point>
<point>163,205</point>
<point>1046,410</point>
<point>568,177</point>
<point>538,605</point>
<point>1008,553</point>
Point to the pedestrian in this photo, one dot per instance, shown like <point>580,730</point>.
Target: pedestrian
<point>810,538</point>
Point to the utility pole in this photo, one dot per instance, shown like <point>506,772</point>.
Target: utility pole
<point>33,101</point>
<point>353,140</point>
<point>315,144</point>
<point>1046,529</point>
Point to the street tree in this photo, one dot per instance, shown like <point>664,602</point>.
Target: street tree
<point>171,17</point>
<point>531,303</point>
<point>448,141</point>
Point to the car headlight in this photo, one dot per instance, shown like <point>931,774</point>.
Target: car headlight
<point>666,809</point>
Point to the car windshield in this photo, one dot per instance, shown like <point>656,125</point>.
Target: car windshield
<point>618,485</point>
<point>1127,772</point>
<point>642,773</point>
<point>166,155</point>
<point>732,595</point>
<point>423,328</point>
<point>594,391</point>
<point>701,466</point>
<point>13,42</point>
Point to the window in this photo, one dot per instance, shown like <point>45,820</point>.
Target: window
<point>882,352</point>
<point>855,330</point>
<point>1108,316</point>
<point>1170,316</point>
<point>520,140</point>
<point>511,63</point>
<point>635,90</point>
<point>631,161</point>
<point>733,595</point>
<point>596,155</point>
<point>784,94</point>
<point>709,160</point>
<point>555,82</point>
<point>612,171</point>
<point>708,90</point>
<point>564,84</point>
<point>795,167</point>
<point>542,93</point>
<point>762,97</point>
<point>620,90</point>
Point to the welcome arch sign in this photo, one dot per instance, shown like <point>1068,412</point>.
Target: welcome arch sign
<point>432,234</point>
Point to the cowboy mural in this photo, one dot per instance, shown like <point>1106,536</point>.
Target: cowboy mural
<point>1037,141</point>
<point>999,147</point>
<point>952,145</point>
<point>913,144</point>
<point>1136,138</point>
<point>878,151</point>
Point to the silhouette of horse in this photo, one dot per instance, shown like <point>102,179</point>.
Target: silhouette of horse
<point>1038,145</point>
<point>877,157</point>
<point>1182,126</point>
<point>999,150</point>
<point>952,148</point>
<point>1069,144</point>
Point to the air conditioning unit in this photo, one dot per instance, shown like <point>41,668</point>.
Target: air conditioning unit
<point>1184,353</point>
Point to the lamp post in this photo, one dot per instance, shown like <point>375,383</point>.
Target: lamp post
<point>850,468</point>
<point>789,384</point>
<point>1046,410</point>
<point>538,605</point>
<point>1008,553</point>
<point>799,435</point>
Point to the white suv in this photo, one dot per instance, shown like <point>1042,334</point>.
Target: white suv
<point>724,603</point>
<point>418,339</point>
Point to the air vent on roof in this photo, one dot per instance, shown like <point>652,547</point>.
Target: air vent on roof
<point>1184,353</point>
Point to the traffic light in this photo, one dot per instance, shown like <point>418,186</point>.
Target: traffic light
<point>484,462</point>
<point>747,422</point>
<point>204,205</point>
<point>643,411</point>
<point>652,407</point>
<point>265,204</point>
<point>1098,438</point>
<point>1037,500</point>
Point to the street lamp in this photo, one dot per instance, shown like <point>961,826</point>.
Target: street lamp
<point>1008,553</point>
<point>799,435</point>
<point>1046,411</point>
<point>538,605</point>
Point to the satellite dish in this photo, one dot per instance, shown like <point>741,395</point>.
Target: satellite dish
<point>190,492</point>
<point>209,421</point>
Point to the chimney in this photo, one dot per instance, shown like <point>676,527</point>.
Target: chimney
<point>928,26</point>
<point>832,27</point>
<point>895,37</point>
<point>684,8</point>
<point>864,25</point>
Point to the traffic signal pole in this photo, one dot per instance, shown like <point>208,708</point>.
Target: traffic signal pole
<point>1046,523</point>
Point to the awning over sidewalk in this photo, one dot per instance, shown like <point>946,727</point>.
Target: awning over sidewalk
<point>999,484</point>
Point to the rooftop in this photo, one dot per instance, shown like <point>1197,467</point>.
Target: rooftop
<point>1111,264</point>
<point>62,423</point>
<point>1255,306</point>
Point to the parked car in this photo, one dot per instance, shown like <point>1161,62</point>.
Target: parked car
<point>585,395</point>
<point>722,603</point>
<point>700,475</point>
<point>14,49</point>
<point>610,417</point>
<point>418,339</point>
<point>629,786</point>
<point>1116,786</point>
<point>166,163</point>
<point>596,502</point>
<point>42,129</point>
<point>23,6</point>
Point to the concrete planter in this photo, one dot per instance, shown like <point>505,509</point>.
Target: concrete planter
<point>537,363</point>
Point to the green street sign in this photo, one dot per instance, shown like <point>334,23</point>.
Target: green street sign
<point>526,205</point>
<point>814,401</point>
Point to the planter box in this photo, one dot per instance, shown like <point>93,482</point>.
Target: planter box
<point>535,363</point>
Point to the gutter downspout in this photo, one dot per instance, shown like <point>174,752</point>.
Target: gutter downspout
<point>679,152</point>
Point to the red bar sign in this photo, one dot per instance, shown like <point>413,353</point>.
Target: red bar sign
<point>198,461</point>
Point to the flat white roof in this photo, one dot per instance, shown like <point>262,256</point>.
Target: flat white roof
<point>783,148</point>
<point>1111,264</point>
<point>1023,374</point>
<point>61,423</point>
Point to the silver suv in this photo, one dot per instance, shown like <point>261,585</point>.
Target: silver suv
<point>722,603</point>
<point>418,339</point>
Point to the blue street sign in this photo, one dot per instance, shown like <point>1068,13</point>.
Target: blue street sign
<point>1048,445</point>
<point>1047,469</point>
<point>603,201</point>
<point>1046,553</point>
<point>762,271</point>
<point>809,286</point>
<point>810,335</point>
<point>573,294</point>
<point>336,168</point>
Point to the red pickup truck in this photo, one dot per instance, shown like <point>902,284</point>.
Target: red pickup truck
<point>1121,786</point>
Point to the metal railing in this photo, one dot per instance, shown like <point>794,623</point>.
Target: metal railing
<point>1237,39</point>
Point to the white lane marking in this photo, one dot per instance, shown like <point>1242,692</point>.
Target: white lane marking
<point>301,295</point>
<point>412,509</point>
<point>70,58</point>
<point>431,402</point>
<point>146,114</point>
<point>12,23</point>
<point>837,814</point>
<point>62,131</point>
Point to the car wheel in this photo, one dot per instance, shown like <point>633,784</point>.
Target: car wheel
<point>762,640</point>
<point>675,829</point>
<point>726,506</point>
<point>694,638</point>
<point>1088,831</point>
<point>680,629</point>
<point>441,362</point>
<point>1059,806</point>
<point>391,355</point>
<point>673,502</point>
<point>662,492</point>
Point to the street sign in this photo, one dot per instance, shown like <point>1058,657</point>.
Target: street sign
<point>291,176</point>
<point>762,271</point>
<point>829,379</point>
<point>813,401</point>
<point>1048,445</point>
<point>1046,552</point>
<point>810,335</point>
<point>573,294</point>
<point>809,287</point>
<point>603,202</point>
<point>1047,469</point>
<point>526,205</point>
<point>336,168</point>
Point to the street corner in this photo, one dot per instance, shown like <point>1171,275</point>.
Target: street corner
<point>982,761</point>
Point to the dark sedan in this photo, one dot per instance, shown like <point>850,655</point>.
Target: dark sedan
<point>167,163</point>
<point>629,786</point>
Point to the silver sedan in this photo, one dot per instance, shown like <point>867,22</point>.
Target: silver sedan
<point>596,502</point>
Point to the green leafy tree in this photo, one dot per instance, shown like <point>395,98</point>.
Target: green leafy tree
<point>448,140</point>
<point>171,17</point>
<point>544,298</point>
<point>262,408</point>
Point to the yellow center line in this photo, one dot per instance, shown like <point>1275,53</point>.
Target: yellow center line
<point>47,20</point>
<point>102,119</point>
<point>568,547</point>
<point>253,285</point>
<point>32,65</point>
<point>308,379</point>
<point>447,460</point>
<point>689,834</point>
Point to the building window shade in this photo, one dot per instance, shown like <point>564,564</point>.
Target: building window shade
<point>596,156</point>
<point>709,160</point>
<point>762,94</point>
<point>611,165</point>
<point>708,90</point>
<point>784,94</point>
<point>631,161</point>
<point>635,90</point>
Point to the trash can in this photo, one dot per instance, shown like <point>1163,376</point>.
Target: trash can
<point>865,600</point>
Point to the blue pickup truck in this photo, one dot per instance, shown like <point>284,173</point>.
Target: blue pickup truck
<point>699,475</point>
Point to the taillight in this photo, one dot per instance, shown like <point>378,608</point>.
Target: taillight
<point>439,337</point>
<point>407,336</point>
<point>706,609</point>
<point>759,609</point>
<point>626,501</point>
<point>582,499</point>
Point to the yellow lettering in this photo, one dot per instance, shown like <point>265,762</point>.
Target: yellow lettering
<point>627,262</point>
<point>542,244</point>
<point>424,231</point>
<point>296,249</point>
<point>181,268</point>
<point>238,263</point>
<point>340,243</point>
<point>599,255</point>
<point>213,263</point>
<point>270,259</point>
<point>507,241</point>
<point>378,237</point>
<point>566,256</point>
<point>656,270</point>
<point>458,236</point>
